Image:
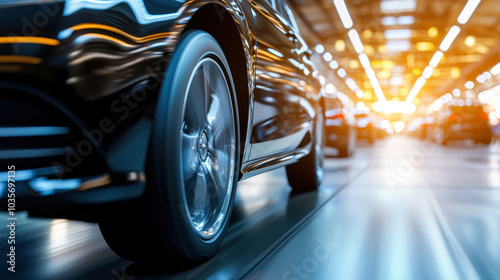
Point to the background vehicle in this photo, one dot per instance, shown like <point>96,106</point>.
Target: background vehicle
<point>151,111</point>
<point>340,124</point>
<point>364,123</point>
<point>461,122</point>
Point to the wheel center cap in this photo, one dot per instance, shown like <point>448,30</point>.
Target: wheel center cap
<point>203,145</point>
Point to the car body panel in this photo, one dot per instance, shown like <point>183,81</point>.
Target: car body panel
<point>101,64</point>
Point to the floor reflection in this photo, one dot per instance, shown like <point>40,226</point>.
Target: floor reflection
<point>399,209</point>
<point>441,220</point>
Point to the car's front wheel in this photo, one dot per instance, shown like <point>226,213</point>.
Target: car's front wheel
<point>193,162</point>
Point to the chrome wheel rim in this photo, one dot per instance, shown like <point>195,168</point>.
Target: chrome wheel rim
<point>208,144</point>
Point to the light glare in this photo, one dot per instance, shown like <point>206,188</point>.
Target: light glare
<point>467,11</point>
<point>343,13</point>
<point>356,42</point>
<point>449,38</point>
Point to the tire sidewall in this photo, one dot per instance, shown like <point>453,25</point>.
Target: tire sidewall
<point>167,186</point>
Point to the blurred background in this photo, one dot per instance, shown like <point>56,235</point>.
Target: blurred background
<point>424,68</point>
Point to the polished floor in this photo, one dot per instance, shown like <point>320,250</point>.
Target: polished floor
<point>400,209</point>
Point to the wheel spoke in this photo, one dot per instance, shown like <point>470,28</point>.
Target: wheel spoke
<point>196,105</point>
<point>215,188</point>
<point>222,164</point>
<point>189,152</point>
<point>198,198</point>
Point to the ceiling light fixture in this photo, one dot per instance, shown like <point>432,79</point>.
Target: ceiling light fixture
<point>341,72</point>
<point>397,34</point>
<point>327,56</point>
<point>427,72</point>
<point>365,62</point>
<point>356,42</point>
<point>343,13</point>
<point>319,48</point>
<point>469,85</point>
<point>334,64</point>
<point>467,11</point>
<point>436,58</point>
<point>495,70</point>
<point>449,38</point>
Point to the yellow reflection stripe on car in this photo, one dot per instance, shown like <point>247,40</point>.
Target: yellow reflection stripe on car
<point>110,38</point>
<point>28,40</point>
<point>121,32</point>
<point>19,59</point>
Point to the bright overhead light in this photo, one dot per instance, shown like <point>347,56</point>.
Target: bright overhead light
<point>327,56</point>
<point>394,107</point>
<point>403,20</point>
<point>487,75</point>
<point>330,88</point>
<point>480,79</point>
<point>351,84</point>
<point>406,20</point>
<point>341,72</point>
<point>334,64</point>
<point>419,84</point>
<point>365,62</point>
<point>469,85</point>
<point>495,70</point>
<point>424,46</point>
<point>396,81</point>
<point>360,93</point>
<point>467,11</point>
<point>397,34</point>
<point>343,13</point>
<point>389,21</point>
<point>356,42</point>
<point>397,46</point>
<point>456,92</point>
<point>370,73</point>
<point>427,72</point>
<point>322,79</point>
<point>398,6</point>
<point>436,58</point>
<point>319,48</point>
<point>449,38</point>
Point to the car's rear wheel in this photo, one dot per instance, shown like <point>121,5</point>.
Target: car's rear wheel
<point>193,161</point>
<point>307,174</point>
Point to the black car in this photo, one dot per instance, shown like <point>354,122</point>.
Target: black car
<point>463,121</point>
<point>340,124</point>
<point>142,115</point>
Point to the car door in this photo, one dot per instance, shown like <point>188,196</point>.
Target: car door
<point>310,90</point>
<point>275,125</point>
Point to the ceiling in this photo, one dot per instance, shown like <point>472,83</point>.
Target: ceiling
<point>400,38</point>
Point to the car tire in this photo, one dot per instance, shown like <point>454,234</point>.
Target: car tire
<point>307,174</point>
<point>193,161</point>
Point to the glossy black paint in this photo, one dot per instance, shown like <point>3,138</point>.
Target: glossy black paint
<point>96,69</point>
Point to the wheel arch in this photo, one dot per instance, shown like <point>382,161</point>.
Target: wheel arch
<point>229,32</point>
